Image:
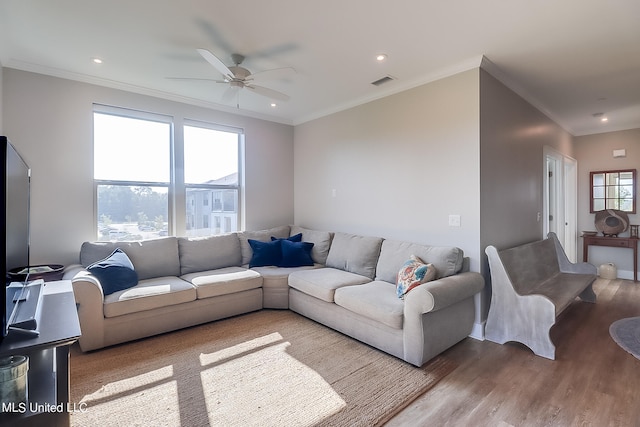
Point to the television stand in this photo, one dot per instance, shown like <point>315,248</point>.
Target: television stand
<point>48,352</point>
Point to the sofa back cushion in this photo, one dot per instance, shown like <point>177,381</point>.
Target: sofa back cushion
<point>261,235</point>
<point>321,242</point>
<point>356,254</point>
<point>209,253</point>
<point>150,258</point>
<point>394,253</point>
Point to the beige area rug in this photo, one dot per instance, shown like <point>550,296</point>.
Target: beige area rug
<point>268,368</point>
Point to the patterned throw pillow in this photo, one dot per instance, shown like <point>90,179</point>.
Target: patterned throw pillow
<point>413,273</point>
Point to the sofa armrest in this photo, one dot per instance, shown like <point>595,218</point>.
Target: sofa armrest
<point>433,296</point>
<point>90,304</point>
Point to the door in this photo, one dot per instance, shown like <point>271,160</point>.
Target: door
<point>560,200</point>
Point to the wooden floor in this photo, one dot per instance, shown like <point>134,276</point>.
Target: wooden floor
<point>592,382</point>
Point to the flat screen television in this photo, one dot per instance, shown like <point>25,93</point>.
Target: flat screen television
<point>15,215</point>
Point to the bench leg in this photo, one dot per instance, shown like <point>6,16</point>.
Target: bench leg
<point>588,295</point>
<point>527,320</point>
<point>540,343</point>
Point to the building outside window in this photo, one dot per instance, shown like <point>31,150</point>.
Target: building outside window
<point>136,178</point>
<point>211,172</point>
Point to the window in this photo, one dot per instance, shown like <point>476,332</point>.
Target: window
<point>132,171</point>
<point>137,183</point>
<point>211,172</point>
<point>615,189</point>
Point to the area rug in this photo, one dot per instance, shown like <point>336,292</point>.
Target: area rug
<point>268,368</point>
<point>626,333</point>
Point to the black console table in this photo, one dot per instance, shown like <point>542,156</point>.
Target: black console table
<point>48,375</point>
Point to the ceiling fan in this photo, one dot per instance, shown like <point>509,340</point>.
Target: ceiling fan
<point>238,77</point>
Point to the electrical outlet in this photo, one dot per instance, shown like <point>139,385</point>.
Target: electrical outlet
<point>454,220</point>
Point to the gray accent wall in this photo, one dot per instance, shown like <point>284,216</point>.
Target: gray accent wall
<point>50,122</point>
<point>513,135</point>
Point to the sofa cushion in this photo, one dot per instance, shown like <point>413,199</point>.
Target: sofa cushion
<point>375,300</point>
<point>261,235</point>
<point>209,253</point>
<point>413,273</point>
<point>322,282</point>
<point>223,281</point>
<point>278,277</point>
<point>446,259</point>
<point>149,294</point>
<point>151,258</point>
<point>321,242</point>
<point>357,254</point>
<point>115,272</point>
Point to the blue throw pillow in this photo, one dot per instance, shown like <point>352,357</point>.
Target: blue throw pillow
<point>265,253</point>
<point>294,238</point>
<point>115,272</point>
<point>296,254</point>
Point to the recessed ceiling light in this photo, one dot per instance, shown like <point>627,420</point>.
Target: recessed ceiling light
<point>600,116</point>
<point>274,105</point>
<point>381,57</point>
<point>96,60</point>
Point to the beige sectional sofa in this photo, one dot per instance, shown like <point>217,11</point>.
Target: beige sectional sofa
<point>350,287</point>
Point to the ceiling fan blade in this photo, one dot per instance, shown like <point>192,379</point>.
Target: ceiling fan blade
<point>217,64</point>
<point>197,79</point>
<point>269,93</point>
<point>276,73</point>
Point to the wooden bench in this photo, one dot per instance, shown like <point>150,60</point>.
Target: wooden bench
<point>531,285</point>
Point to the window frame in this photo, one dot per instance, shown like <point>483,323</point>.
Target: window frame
<point>605,186</point>
<point>176,187</point>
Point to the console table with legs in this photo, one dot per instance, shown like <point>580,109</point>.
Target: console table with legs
<point>613,242</point>
<point>48,352</point>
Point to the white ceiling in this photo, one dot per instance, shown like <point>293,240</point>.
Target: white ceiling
<point>570,58</point>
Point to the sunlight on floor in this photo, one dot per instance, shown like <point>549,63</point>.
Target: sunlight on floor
<point>253,387</point>
<point>157,389</point>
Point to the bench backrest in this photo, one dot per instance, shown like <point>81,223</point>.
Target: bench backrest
<point>530,264</point>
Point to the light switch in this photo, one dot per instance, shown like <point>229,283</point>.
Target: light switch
<point>454,220</point>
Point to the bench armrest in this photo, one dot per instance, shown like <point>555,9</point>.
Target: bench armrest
<point>567,266</point>
<point>435,295</point>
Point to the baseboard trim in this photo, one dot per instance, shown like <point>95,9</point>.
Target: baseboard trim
<point>625,274</point>
<point>478,331</point>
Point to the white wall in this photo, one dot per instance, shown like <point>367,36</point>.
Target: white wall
<point>594,153</point>
<point>49,120</point>
<point>399,166</point>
